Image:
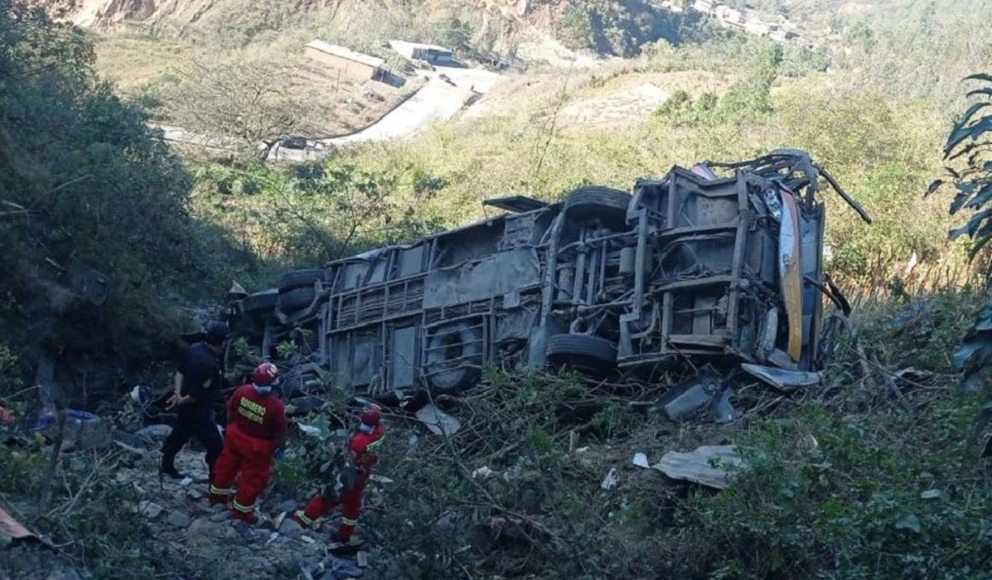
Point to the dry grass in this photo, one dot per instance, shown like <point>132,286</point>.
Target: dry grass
<point>132,60</point>
<point>335,103</point>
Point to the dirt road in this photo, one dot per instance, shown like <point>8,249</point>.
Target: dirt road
<point>444,94</point>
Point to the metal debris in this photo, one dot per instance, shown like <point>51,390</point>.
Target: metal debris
<point>705,390</point>
<point>698,466</point>
<point>437,421</point>
<point>641,460</point>
<point>783,380</point>
<point>484,472</point>
<point>611,480</point>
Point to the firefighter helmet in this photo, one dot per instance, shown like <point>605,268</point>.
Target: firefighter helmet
<point>265,375</point>
<point>370,417</point>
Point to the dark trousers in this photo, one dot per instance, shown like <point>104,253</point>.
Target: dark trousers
<point>193,423</point>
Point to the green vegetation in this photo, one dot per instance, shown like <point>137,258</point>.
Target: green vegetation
<point>842,482</point>
<point>82,177</point>
<point>622,27</point>
<point>904,47</point>
<point>880,149</point>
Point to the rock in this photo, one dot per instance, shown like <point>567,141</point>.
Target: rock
<point>342,567</point>
<point>257,563</point>
<point>194,493</point>
<point>154,433</point>
<point>290,528</point>
<point>179,520</point>
<point>287,506</point>
<point>202,531</point>
<point>149,509</point>
<point>63,574</point>
<point>221,516</point>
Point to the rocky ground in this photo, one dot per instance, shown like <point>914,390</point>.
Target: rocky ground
<point>200,541</point>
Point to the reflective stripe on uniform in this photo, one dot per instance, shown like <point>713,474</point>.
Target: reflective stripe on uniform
<point>241,508</point>
<point>303,518</point>
<point>349,522</point>
<point>220,491</point>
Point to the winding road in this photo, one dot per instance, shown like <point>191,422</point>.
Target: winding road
<point>438,99</point>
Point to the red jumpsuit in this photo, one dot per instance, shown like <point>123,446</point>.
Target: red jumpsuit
<point>254,423</point>
<point>363,447</point>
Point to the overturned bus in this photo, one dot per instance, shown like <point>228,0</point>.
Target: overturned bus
<point>720,269</point>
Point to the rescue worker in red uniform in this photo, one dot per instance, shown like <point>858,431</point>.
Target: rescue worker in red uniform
<point>349,485</point>
<point>256,430</point>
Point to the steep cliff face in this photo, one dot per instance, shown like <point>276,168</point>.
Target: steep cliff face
<point>617,27</point>
<point>105,14</point>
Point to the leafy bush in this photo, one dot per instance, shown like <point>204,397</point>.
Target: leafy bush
<point>968,147</point>
<point>848,495</point>
<point>95,182</point>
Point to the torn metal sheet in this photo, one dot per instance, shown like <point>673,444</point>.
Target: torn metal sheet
<point>437,421</point>
<point>693,395</point>
<point>309,430</point>
<point>697,466</point>
<point>611,480</point>
<point>641,460</point>
<point>722,409</point>
<point>781,379</point>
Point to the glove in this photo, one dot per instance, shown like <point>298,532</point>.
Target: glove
<point>278,454</point>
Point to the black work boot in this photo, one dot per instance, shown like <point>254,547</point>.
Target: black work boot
<point>169,470</point>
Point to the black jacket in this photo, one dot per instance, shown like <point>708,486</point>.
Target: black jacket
<point>202,377</point>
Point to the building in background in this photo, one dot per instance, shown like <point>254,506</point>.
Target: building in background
<point>416,51</point>
<point>355,64</point>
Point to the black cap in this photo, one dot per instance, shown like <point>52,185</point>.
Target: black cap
<point>218,330</point>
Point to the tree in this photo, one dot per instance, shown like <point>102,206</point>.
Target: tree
<point>247,98</point>
<point>969,147</point>
<point>95,182</point>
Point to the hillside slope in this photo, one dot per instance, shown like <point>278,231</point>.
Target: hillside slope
<point>907,46</point>
<point>617,27</point>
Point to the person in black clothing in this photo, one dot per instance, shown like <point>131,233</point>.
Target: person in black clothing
<point>197,382</point>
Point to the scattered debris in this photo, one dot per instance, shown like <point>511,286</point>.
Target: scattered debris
<point>611,480</point>
<point>154,433</point>
<point>150,509</point>
<point>484,472</point>
<point>342,568</point>
<point>309,430</point>
<point>781,379</point>
<point>641,460</point>
<point>290,528</point>
<point>178,519</point>
<point>705,390</point>
<point>718,265</point>
<point>698,466</point>
<point>437,421</point>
